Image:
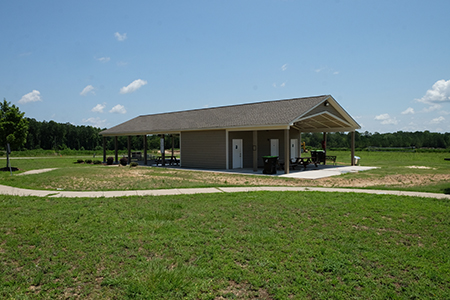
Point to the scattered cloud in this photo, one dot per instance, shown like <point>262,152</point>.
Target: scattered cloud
<point>132,87</point>
<point>120,37</point>
<point>408,111</point>
<point>34,96</point>
<point>88,89</point>
<point>25,54</point>
<point>327,71</point>
<point>439,93</point>
<point>281,85</point>
<point>122,64</point>
<point>437,120</point>
<point>103,59</point>
<point>284,67</point>
<point>118,109</point>
<point>432,108</point>
<point>98,108</point>
<point>386,119</point>
<point>97,122</point>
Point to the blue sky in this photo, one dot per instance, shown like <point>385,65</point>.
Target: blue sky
<point>104,62</point>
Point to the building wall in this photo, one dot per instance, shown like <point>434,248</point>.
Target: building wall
<point>247,145</point>
<point>203,149</point>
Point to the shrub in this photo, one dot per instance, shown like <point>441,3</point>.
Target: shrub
<point>134,164</point>
<point>110,160</point>
<point>123,161</point>
<point>97,162</point>
<point>88,161</point>
<point>80,161</point>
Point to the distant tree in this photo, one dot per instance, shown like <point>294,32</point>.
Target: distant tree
<point>13,126</point>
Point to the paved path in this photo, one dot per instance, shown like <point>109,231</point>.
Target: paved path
<point>7,190</point>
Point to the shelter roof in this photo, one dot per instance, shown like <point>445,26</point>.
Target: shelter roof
<point>298,112</point>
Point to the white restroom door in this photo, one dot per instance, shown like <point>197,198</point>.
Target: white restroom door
<point>237,154</point>
<point>294,148</point>
<point>274,147</point>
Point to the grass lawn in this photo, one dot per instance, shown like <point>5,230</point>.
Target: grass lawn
<point>424,172</point>
<point>269,245</point>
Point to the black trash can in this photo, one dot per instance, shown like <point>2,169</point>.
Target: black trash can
<point>270,164</point>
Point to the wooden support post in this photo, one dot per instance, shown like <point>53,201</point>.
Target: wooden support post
<point>163,151</point>
<point>104,149</point>
<point>299,143</point>
<point>286,151</point>
<point>255,151</point>
<point>116,151</point>
<point>172,143</point>
<point>129,149</point>
<point>145,150</point>
<point>324,146</point>
<point>353,148</point>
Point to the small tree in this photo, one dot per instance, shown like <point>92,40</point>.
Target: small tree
<point>13,126</point>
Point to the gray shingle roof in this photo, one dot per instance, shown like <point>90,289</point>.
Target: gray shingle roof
<point>267,113</point>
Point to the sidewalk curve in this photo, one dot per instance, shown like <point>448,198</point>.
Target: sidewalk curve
<point>8,190</point>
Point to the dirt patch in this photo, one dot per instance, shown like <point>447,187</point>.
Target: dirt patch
<point>406,180</point>
<point>420,167</point>
<point>242,291</point>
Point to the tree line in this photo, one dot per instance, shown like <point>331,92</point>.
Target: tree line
<point>59,136</point>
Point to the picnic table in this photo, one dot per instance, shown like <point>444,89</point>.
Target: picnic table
<point>170,160</point>
<point>302,161</point>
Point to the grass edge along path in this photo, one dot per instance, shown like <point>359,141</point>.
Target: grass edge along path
<point>270,245</point>
<point>7,190</point>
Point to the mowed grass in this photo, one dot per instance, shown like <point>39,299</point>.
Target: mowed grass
<point>394,172</point>
<point>267,245</point>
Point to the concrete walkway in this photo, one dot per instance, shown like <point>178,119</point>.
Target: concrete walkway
<point>7,190</point>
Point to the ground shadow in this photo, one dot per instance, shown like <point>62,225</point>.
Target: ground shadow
<point>6,169</point>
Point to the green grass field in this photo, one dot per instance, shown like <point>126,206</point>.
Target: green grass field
<point>394,172</point>
<point>269,245</point>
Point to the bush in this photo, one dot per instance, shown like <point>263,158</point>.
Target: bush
<point>97,162</point>
<point>110,160</point>
<point>88,161</point>
<point>80,161</point>
<point>134,164</point>
<point>123,161</point>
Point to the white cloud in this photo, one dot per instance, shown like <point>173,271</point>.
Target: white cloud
<point>437,120</point>
<point>408,111</point>
<point>386,119</point>
<point>98,108</point>
<point>120,37</point>
<point>284,67</point>
<point>88,89</point>
<point>132,87</point>
<point>432,108</point>
<point>336,73</point>
<point>34,96</point>
<point>97,122</point>
<point>439,92</point>
<point>103,59</point>
<point>283,84</point>
<point>118,109</point>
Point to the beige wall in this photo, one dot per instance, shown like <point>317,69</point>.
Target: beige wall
<point>247,145</point>
<point>203,149</point>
